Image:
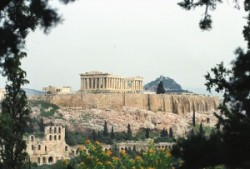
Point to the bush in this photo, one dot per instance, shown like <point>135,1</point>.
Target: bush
<point>47,109</point>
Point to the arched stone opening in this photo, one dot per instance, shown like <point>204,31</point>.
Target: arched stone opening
<point>32,147</point>
<point>39,147</point>
<point>44,160</point>
<point>45,148</point>
<point>50,137</point>
<point>59,130</point>
<point>32,138</point>
<point>59,137</point>
<point>38,160</point>
<point>55,130</point>
<point>54,137</point>
<point>50,160</point>
<point>50,130</point>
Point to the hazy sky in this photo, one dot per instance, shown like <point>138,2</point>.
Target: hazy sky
<point>148,38</point>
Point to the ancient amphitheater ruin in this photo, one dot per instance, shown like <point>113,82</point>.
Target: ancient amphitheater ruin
<point>50,148</point>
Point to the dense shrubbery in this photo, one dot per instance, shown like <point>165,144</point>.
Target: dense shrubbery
<point>74,138</point>
<point>46,109</point>
<point>110,138</point>
<point>95,157</point>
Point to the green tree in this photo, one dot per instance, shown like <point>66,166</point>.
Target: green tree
<point>233,127</point>
<point>94,135</point>
<point>193,118</point>
<point>14,116</point>
<point>160,88</point>
<point>41,125</point>
<point>147,133</point>
<point>129,132</point>
<point>164,133</point>
<point>201,130</point>
<point>105,129</point>
<point>112,134</point>
<point>17,19</point>
<point>171,133</point>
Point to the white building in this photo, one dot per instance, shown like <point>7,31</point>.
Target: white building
<point>57,90</point>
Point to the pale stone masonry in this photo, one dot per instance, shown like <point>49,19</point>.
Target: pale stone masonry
<point>51,148</point>
<point>99,82</point>
<point>57,90</point>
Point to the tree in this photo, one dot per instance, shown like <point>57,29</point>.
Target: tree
<point>171,133</point>
<point>13,120</point>
<point>17,19</point>
<point>41,125</point>
<point>233,127</point>
<point>129,133</point>
<point>147,133</point>
<point>112,134</point>
<point>193,118</point>
<point>160,88</point>
<point>201,130</point>
<point>105,129</point>
<point>164,133</point>
<point>93,135</point>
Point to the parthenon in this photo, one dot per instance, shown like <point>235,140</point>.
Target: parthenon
<point>99,82</point>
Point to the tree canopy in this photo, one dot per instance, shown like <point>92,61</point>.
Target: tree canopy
<point>233,127</point>
<point>17,19</point>
<point>160,88</point>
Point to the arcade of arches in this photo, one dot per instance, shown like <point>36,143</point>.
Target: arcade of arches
<point>51,148</point>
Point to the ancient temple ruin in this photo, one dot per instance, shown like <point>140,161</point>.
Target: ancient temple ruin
<point>51,148</point>
<point>99,82</point>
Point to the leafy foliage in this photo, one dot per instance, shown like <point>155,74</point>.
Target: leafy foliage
<point>74,138</point>
<point>232,136</point>
<point>47,109</point>
<point>129,133</point>
<point>17,19</point>
<point>97,158</point>
<point>14,116</point>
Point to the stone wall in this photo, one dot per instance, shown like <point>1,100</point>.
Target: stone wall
<point>115,101</point>
<point>51,148</point>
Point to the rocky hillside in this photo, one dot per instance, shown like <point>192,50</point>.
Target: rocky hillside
<point>78,119</point>
<point>169,84</point>
<point>84,112</point>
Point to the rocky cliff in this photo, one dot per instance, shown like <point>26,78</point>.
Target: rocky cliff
<point>179,104</point>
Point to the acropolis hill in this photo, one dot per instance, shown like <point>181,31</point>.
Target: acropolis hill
<point>106,91</point>
<point>119,101</point>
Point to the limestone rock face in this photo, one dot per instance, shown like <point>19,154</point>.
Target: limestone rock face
<point>179,104</point>
<point>79,119</point>
<point>89,111</point>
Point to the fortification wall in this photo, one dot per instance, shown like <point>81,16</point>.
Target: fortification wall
<point>154,102</point>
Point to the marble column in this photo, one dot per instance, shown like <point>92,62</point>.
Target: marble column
<point>106,82</point>
<point>120,84</point>
<point>96,83</point>
<point>92,83</point>
<point>100,82</point>
<point>84,83</point>
<point>112,83</point>
<point>87,83</point>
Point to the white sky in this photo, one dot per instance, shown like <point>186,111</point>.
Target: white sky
<point>147,38</point>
